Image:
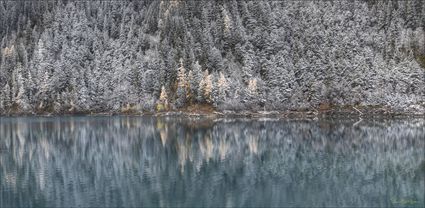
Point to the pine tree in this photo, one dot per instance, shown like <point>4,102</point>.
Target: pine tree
<point>189,93</point>
<point>44,91</point>
<point>6,101</point>
<point>206,87</point>
<point>227,29</point>
<point>182,86</point>
<point>252,87</point>
<point>163,100</point>
<point>195,81</point>
<point>223,88</point>
<point>20,98</point>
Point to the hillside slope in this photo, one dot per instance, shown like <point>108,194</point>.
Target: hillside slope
<point>113,56</point>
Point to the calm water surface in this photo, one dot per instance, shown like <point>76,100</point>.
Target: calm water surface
<point>150,161</point>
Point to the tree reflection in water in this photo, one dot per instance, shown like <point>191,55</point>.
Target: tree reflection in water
<point>169,161</point>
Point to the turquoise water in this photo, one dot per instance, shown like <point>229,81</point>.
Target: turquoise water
<point>150,161</point>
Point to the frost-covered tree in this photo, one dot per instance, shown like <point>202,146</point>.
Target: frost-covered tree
<point>195,81</point>
<point>20,97</point>
<point>182,85</point>
<point>6,101</point>
<point>100,56</point>
<point>223,88</point>
<point>163,103</point>
<point>206,88</point>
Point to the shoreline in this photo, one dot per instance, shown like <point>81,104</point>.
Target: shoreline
<point>330,112</point>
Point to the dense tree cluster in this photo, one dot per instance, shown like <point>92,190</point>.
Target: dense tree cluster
<point>112,56</point>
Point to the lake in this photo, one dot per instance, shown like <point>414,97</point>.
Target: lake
<point>131,161</point>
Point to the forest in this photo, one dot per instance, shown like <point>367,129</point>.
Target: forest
<point>147,56</point>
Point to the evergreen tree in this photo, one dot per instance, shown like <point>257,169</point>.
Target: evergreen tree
<point>182,85</point>
<point>68,56</point>
<point>195,81</point>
